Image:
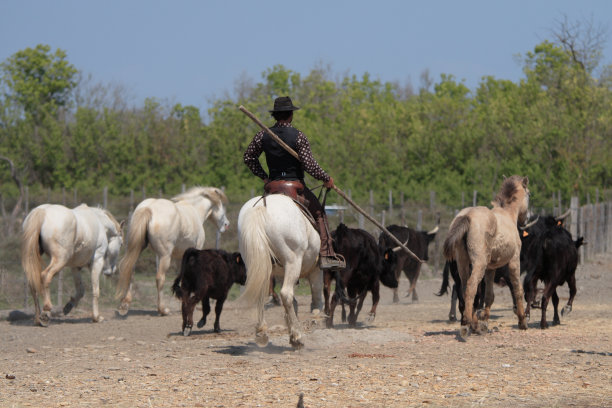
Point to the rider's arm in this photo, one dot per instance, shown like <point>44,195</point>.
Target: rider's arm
<point>251,156</point>
<point>308,162</point>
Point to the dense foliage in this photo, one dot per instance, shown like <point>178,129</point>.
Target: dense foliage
<point>555,126</point>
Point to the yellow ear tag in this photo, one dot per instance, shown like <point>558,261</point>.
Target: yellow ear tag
<point>559,223</point>
<point>386,256</point>
<point>525,233</point>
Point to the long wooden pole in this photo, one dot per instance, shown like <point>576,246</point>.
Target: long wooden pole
<point>336,189</point>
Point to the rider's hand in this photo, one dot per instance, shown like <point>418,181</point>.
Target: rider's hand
<point>329,183</point>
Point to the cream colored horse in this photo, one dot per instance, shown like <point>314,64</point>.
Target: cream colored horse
<point>169,227</point>
<point>80,237</point>
<point>488,239</point>
<point>275,238</point>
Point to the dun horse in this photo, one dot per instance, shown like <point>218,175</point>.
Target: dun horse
<point>276,238</point>
<point>76,238</point>
<point>488,239</point>
<point>170,227</point>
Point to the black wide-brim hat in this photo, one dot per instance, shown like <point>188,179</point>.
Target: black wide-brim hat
<point>283,104</point>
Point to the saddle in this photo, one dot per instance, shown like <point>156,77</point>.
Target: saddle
<point>293,189</point>
<point>290,188</point>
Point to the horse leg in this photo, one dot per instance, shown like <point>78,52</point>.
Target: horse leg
<point>125,302</point>
<point>489,297</point>
<point>37,315</point>
<point>571,283</point>
<point>514,272</point>
<point>160,278</point>
<point>96,269</point>
<point>272,293</point>
<point>205,311</point>
<point>471,320</point>
<point>452,314</point>
<point>79,291</point>
<point>47,276</point>
<point>555,301</point>
<point>218,308</point>
<point>316,289</point>
<point>292,274</point>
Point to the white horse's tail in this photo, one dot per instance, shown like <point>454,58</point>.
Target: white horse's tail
<point>257,255</point>
<point>31,256</point>
<point>136,242</point>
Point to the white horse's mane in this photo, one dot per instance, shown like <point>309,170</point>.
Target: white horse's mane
<point>216,195</point>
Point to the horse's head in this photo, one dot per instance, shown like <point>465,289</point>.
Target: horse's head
<point>112,254</point>
<point>210,202</point>
<point>524,201</point>
<point>114,236</point>
<point>219,217</point>
<point>514,193</point>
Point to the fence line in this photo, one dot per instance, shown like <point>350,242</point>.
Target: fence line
<point>593,221</point>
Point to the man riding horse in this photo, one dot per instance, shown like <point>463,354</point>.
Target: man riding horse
<point>287,172</point>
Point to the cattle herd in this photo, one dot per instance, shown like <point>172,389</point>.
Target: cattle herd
<point>548,254</point>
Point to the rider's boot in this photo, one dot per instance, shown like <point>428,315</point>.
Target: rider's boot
<point>328,259</point>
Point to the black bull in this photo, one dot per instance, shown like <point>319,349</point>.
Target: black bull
<point>418,242</point>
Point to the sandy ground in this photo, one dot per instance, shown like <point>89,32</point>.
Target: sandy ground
<point>408,356</point>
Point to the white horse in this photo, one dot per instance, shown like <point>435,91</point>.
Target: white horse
<point>83,236</point>
<point>276,238</point>
<point>170,227</point>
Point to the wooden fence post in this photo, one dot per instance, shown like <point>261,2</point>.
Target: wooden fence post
<point>475,198</point>
<point>105,200</point>
<point>419,225</point>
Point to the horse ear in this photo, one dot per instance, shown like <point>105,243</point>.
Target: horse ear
<point>525,181</point>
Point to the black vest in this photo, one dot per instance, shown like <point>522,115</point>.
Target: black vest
<point>281,164</point>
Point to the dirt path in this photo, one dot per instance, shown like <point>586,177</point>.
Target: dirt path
<point>409,356</point>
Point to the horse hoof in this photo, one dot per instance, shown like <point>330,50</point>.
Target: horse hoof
<point>452,318</point>
<point>68,308</point>
<point>187,331</point>
<point>523,324</point>
<point>556,322</point>
<point>164,312</point>
<point>201,323</point>
<point>543,326</point>
<point>123,309</point>
<point>97,319</point>
<point>566,310</point>
<point>483,327</point>
<point>261,339</point>
<point>42,322</point>
<point>296,342</point>
<point>464,332</point>
<point>371,317</point>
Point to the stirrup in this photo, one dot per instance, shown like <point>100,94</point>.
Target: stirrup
<point>332,262</point>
